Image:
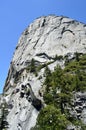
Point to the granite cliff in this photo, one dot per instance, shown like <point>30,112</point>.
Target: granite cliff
<point>46,42</point>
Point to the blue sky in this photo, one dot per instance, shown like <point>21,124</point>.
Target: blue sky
<point>16,15</point>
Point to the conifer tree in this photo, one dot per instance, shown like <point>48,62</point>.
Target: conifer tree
<point>32,69</point>
<point>3,117</point>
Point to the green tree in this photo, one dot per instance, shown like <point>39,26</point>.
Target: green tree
<point>32,66</point>
<point>48,79</point>
<point>50,118</point>
<point>77,55</point>
<point>60,85</point>
<point>3,118</point>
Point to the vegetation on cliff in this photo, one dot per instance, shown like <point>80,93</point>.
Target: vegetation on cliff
<point>60,86</point>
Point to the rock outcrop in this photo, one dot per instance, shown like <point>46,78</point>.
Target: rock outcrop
<point>43,40</point>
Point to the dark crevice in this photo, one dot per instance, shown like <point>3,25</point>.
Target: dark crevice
<point>61,21</point>
<point>65,30</point>
<point>44,55</point>
<point>26,32</point>
<point>35,44</point>
<point>70,22</point>
<point>43,23</point>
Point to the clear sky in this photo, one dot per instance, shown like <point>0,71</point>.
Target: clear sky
<point>16,15</point>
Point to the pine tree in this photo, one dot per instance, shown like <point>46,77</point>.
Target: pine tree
<point>32,68</point>
<point>3,118</point>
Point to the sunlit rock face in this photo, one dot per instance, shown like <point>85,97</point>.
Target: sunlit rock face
<point>50,35</point>
<point>42,40</point>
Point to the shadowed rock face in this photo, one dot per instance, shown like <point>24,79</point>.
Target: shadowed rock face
<point>37,104</point>
<point>42,40</point>
<point>35,101</point>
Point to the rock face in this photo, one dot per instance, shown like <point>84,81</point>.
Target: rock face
<point>62,34</point>
<point>45,38</point>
